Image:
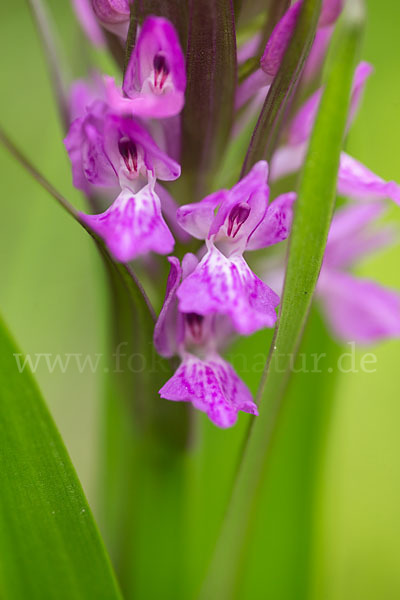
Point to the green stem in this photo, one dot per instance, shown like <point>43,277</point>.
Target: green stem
<point>306,249</point>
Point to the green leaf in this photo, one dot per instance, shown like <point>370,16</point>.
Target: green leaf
<point>145,436</point>
<point>268,125</point>
<point>306,249</point>
<point>287,515</point>
<point>49,543</point>
<point>210,93</point>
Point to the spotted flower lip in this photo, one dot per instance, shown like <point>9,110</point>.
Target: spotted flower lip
<point>155,79</point>
<point>133,225</point>
<point>107,150</point>
<point>212,386</point>
<point>203,377</point>
<point>227,286</point>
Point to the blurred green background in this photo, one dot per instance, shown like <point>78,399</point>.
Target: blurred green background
<point>53,297</point>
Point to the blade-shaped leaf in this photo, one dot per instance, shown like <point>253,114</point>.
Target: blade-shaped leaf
<point>211,70</point>
<point>288,516</point>
<point>306,248</point>
<point>137,326</point>
<point>268,124</point>
<point>145,436</point>
<point>49,543</point>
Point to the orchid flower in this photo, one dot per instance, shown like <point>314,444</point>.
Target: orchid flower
<point>232,221</point>
<point>357,309</point>
<point>106,150</point>
<point>354,179</point>
<point>203,377</point>
<point>155,79</point>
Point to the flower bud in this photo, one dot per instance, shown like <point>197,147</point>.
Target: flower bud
<point>330,12</point>
<point>111,11</point>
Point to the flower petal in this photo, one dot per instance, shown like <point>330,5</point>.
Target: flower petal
<point>159,164</point>
<point>287,160</point>
<point>279,40</point>
<point>196,218</point>
<point>250,195</point>
<point>73,144</point>
<point>251,86</point>
<point>363,71</point>
<point>317,54</point>
<point>133,225</point>
<point>202,220</point>
<point>359,310</point>
<point>83,94</point>
<point>351,219</point>
<point>111,11</point>
<point>352,235</point>
<point>302,124</point>
<point>143,105</point>
<point>157,35</point>
<point>283,31</point>
<point>276,224</point>
<point>249,48</point>
<point>85,146</point>
<point>212,386</point>
<point>169,329</point>
<point>221,285</point>
<point>143,94</point>
<point>169,209</point>
<point>330,12</point>
<point>360,183</point>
